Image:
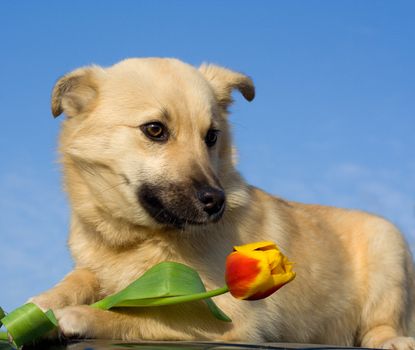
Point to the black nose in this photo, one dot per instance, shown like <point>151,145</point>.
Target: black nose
<point>213,200</point>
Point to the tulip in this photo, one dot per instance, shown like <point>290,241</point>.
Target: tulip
<point>255,271</point>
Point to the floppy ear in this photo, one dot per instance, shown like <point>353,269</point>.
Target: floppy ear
<point>223,81</point>
<point>75,93</point>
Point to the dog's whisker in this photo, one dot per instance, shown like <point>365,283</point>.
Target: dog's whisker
<point>160,212</point>
<point>93,172</point>
<point>114,186</point>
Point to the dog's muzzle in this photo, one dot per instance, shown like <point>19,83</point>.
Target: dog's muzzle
<point>178,205</point>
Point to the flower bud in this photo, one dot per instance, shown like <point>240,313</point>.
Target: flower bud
<point>255,271</point>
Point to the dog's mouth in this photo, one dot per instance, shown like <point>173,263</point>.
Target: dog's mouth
<point>178,206</point>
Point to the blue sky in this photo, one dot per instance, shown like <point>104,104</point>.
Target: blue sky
<point>333,121</point>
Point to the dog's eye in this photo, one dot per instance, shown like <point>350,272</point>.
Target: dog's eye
<point>155,131</point>
<point>211,137</point>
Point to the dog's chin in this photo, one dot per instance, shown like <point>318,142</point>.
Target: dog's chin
<point>164,216</point>
<point>177,215</point>
<point>173,221</point>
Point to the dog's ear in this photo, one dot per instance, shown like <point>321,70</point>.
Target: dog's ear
<point>75,93</point>
<point>224,80</point>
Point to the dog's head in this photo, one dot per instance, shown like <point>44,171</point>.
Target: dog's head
<point>147,140</point>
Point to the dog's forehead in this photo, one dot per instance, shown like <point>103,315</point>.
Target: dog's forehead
<point>165,84</point>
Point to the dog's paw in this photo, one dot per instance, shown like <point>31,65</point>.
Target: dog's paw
<point>75,321</point>
<point>399,343</point>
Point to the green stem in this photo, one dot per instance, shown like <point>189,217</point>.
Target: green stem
<point>166,300</point>
<point>4,336</point>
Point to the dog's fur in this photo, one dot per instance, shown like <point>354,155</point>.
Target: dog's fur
<point>135,203</point>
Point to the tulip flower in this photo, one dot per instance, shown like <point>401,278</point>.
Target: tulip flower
<point>255,271</point>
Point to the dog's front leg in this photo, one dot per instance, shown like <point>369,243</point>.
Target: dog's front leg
<point>84,321</point>
<point>79,287</point>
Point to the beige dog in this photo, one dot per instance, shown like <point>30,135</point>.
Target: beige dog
<point>147,158</point>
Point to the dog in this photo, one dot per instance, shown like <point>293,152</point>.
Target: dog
<point>149,168</point>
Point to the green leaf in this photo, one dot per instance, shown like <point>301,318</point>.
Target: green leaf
<point>28,323</point>
<point>165,283</point>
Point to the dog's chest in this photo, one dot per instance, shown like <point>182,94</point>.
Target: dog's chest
<point>117,269</point>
